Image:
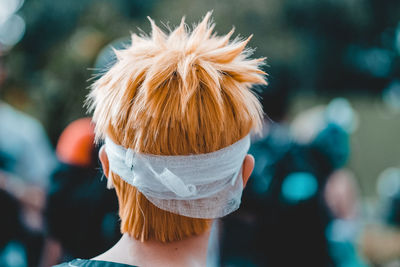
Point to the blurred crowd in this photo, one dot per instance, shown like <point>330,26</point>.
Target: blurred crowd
<point>60,208</point>
<point>303,205</point>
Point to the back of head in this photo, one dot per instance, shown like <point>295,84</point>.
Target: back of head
<point>76,144</point>
<point>177,93</point>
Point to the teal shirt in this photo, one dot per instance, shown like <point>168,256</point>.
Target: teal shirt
<point>92,263</point>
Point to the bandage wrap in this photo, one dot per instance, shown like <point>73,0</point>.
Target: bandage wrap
<point>199,186</point>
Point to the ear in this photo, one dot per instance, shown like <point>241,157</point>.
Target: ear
<point>104,160</point>
<point>247,168</point>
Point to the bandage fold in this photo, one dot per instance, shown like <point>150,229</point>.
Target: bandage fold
<point>200,186</point>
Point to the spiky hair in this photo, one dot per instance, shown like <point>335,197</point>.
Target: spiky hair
<point>182,80</point>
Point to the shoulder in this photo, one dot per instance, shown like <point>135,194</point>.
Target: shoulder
<point>91,263</point>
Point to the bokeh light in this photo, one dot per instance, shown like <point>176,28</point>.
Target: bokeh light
<point>389,182</point>
<point>299,186</point>
<point>12,26</point>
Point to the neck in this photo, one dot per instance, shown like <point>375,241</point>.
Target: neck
<point>188,252</point>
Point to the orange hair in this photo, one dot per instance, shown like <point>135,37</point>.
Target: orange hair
<point>175,93</point>
<point>76,143</point>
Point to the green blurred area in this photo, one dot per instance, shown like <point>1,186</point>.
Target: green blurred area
<point>315,49</point>
<point>374,144</point>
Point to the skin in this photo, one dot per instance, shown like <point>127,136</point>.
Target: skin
<point>189,252</point>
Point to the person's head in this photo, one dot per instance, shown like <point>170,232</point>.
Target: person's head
<point>176,93</point>
<point>76,144</point>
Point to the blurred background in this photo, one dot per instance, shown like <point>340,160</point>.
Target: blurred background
<point>326,187</point>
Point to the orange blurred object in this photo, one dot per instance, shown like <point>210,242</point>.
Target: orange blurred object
<point>76,143</point>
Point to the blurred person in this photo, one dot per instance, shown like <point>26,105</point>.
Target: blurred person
<point>20,133</point>
<point>81,214</point>
<point>283,209</point>
<point>27,173</point>
<point>341,194</point>
<point>285,214</point>
<point>175,112</point>
<point>26,160</point>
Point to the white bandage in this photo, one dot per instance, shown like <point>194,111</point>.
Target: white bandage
<point>198,186</point>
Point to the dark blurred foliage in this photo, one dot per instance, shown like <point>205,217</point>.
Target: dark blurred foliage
<point>353,42</point>
<point>86,224</point>
<point>48,70</point>
<point>50,22</point>
<point>316,46</point>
